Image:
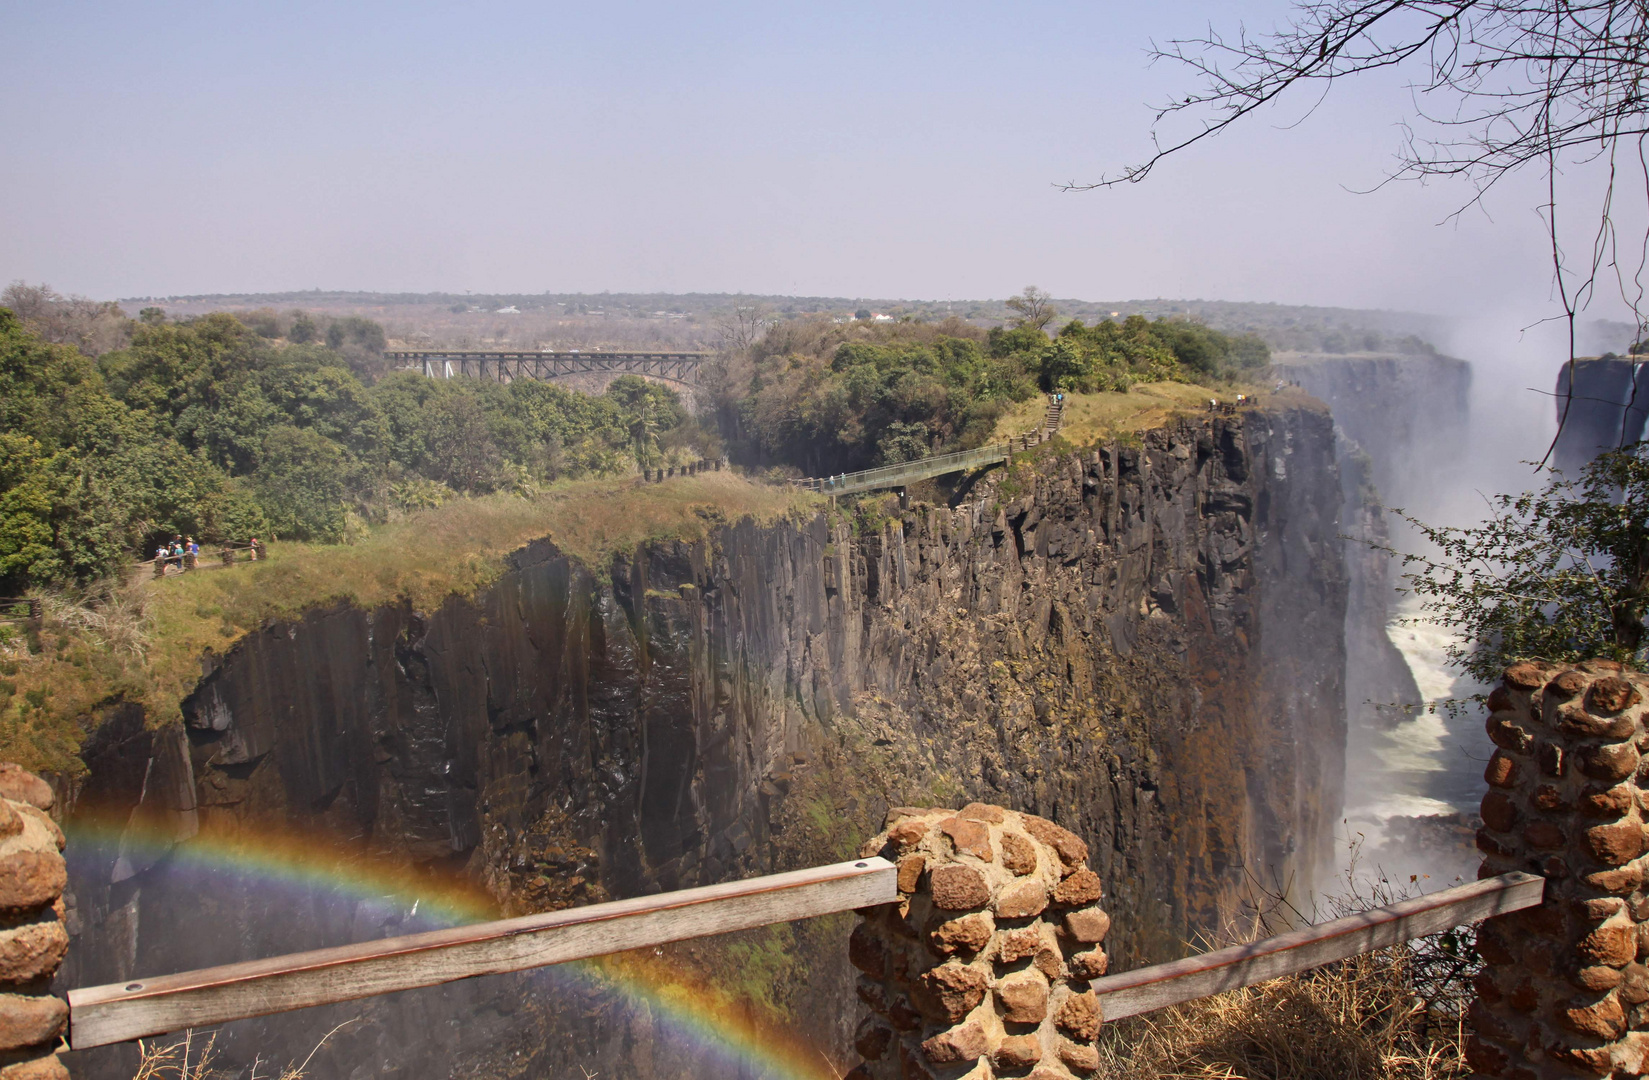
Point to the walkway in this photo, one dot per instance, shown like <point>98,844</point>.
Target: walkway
<point>908,472</point>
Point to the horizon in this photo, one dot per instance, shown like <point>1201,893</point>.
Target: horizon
<point>855,152</point>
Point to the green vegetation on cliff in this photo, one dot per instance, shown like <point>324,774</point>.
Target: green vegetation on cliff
<point>409,489</point>
<point>825,397</point>
<point>142,642</point>
<point>209,429</point>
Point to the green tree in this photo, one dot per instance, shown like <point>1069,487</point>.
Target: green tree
<point>644,436</point>
<point>28,503</point>
<point>462,452</point>
<point>300,485</point>
<point>902,442</point>
<point>1561,574</point>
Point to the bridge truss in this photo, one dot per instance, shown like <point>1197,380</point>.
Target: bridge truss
<point>502,366</point>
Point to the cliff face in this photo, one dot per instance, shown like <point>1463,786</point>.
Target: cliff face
<point>1602,404</point>
<point>1140,642</point>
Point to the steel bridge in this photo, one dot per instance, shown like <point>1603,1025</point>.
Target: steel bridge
<point>504,366</point>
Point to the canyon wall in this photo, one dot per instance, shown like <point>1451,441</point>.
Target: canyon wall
<point>1602,404</point>
<point>1140,641</point>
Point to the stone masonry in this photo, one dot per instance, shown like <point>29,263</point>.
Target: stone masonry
<point>1564,991</point>
<point>981,968</point>
<point>32,937</point>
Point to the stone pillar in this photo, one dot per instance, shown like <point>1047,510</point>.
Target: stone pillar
<point>32,937</point>
<point>1564,991</point>
<point>981,969</point>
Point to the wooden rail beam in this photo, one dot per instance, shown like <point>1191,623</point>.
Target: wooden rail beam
<point>105,1014</point>
<point>1161,985</point>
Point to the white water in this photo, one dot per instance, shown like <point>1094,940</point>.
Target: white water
<point>1432,763</point>
<point>1429,764</point>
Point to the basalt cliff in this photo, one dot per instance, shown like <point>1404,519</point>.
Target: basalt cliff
<point>1140,640</point>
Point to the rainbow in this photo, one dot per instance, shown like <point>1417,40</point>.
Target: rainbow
<point>306,865</point>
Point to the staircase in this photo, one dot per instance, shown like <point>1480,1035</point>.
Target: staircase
<point>1055,416</point>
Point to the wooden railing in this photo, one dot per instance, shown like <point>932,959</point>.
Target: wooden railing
<point>1161,985</point>
<point>21,609</point>
<point>105,1014</point>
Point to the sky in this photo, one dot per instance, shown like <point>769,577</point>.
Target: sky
<point>905,150</point>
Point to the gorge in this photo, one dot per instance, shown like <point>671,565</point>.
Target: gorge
<point>1141,640</point>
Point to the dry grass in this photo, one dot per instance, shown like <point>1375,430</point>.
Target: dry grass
<point>191,1058</point>
<point>143,641</point>
<point>1360,1019</point>
<point>1091,418</point>
<point>1393,1014</point>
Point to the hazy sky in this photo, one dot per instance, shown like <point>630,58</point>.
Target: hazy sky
<point>893,150</point>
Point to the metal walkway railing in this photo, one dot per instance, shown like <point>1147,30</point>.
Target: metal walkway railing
<point>908,472</point>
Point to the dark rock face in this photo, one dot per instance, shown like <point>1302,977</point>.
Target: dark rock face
<point>1142,643</point>
<point>1602,404</point>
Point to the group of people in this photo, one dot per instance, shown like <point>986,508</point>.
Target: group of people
<point>184,553</point>
<point>182,550</point>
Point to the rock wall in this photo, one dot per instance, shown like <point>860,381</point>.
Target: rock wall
<point>982,967</point>
<point>1405,412</point>
<point>1564,991</point>
<point>1142,642</point>
<point>1602,404</point>
<point>33,938</point>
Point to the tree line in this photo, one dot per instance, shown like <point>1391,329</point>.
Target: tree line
<point>279,426</point>
<point>822,397</point>
<point>208,428</point>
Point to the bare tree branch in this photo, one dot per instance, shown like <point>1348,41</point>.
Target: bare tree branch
<point>1498,86</point>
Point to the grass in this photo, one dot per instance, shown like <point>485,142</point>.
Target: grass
<point>143,641</point>
<point>1359,1019</point>
<point>1392,1014</point>
<point>191,1058</point>
<point>1091,418</point>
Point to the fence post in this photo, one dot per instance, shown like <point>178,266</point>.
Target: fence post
<point>987,955</point>
<point>1563,991</point>
<point>33,941</point>
<point>37,609</point>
